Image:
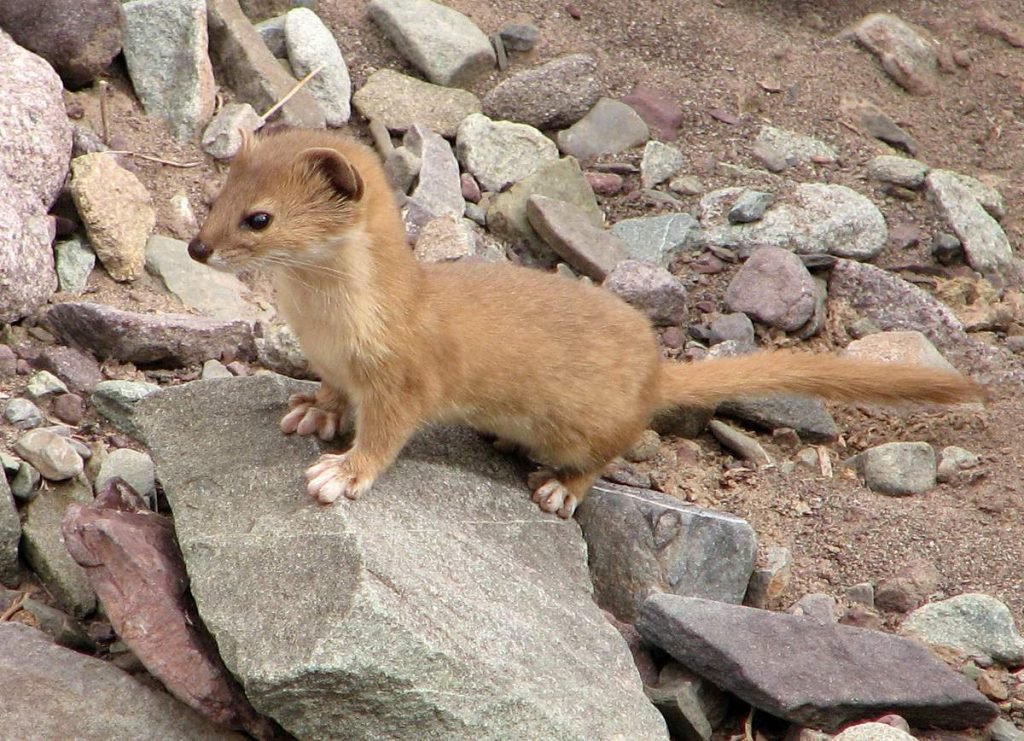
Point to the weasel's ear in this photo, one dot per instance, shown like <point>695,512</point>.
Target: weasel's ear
<point>330,164</point>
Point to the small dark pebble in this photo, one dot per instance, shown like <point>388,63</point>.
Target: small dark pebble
<point>750,206</point>
<point>818,262</point>
<point>946,249</point>
<point>573,11</point>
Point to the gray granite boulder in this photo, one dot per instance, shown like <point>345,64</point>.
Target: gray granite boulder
<point>33,162</point>
<point>311,45</point>
<point>165,47</point>
<point>443,603</point>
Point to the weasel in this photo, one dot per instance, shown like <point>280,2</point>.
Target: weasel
<point>569,372</point>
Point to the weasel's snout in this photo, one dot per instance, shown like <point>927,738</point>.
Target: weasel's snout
<point>199,251</point>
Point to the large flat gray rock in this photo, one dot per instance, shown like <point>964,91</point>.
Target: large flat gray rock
<point>816,674</point>
<point>443,604</point>
<point>52,692</point>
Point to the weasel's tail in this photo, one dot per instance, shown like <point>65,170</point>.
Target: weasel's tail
<point>706,383</point>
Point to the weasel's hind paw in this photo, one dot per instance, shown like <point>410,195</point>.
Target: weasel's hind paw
<point>306,418</point>
<point>333,476</point>
<point>551,495</point>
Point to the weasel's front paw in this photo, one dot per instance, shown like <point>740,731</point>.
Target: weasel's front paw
<point>551,495</point>
<point>333,476</point>
<point>306,418</point>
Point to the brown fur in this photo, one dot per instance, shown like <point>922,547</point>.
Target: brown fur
<point>565,370</point>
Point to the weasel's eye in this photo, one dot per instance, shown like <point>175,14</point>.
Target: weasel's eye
<point>257,221</point>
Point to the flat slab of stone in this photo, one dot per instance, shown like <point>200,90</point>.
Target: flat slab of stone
<point>905,55</point>
<point>657,239</point>
<point>399,101</point>
<point>446,604</point>
<point>169,339</point>
<point>49,690</point>
<point>500,153</point>
<point>816,674</point>
<point>609,127</point>
<point>551,96</point>
<point>571,233</point>
<point>986,245</point>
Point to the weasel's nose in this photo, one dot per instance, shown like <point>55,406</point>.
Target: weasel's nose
<point>198,250</point>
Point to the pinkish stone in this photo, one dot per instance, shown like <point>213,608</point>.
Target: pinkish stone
<point>659,110</point>
<point>604,183</point>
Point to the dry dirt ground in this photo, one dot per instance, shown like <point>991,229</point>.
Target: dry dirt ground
<point>723,54</point>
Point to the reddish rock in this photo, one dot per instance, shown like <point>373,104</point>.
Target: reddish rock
<point>78,37</point>
<point>470,188</point>
<point>77,369</point>
<point>659,110</point>
<point>69,408</point>
<point>909,587</point>
<point>132,560</point>
<point>604,183</point>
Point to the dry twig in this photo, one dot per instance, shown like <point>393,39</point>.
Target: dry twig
<point>288,96</point>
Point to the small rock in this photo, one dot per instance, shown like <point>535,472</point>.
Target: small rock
<point>873,732</point>
<point>441,42</point>
<point>985,244</point>
<point>223,136</point>
<point>604,183</point>
<point>311,45</point>
<point>399,101</point>
<point>470,188</point>
<point>439,189</point>
<point>445,239</point>
<point>213,369</point>
<point>10,535</point>
<point>750,206</point>
<point>500,153</point>
<point>743,446</point>
<point>279,350</point>
<point>793,147</point>
<point>642,542</point>
<point>973,624</point>
<point>114,400</point>
<point>75,368</point>
<point>135,468</point>
<point>22,413</point>
<point>519,36</point>
<point>897,469</point>
<point>821,607</point>
<point>646,448</point>
<point>662,114</point>
<point>808,417</point>
<point>947,249</point>
<point>50,454</point>
<point>904,236</point>
<point>862,594</point>
<point>75,261</point>
<point>562,181</point>
<point>659,163</point>
<point>43,384</point>
<point>25,483</point>
<point>907,57</point>
<point>570,232</point>
<point>117,212</point>
<point>770,580</point>
<point>909,173</point>
<point>952,461</point>
<point>69,408</point>
<point>555,95</point>
<point>909,587</point>
<point>774,287</point>
<point>166,51</point>
<point>8,362</point>
<point>686,185</point>
<point>657,239</point>
<point>736,326</point>
<point>693,707</point>
<point>609,127</point>
<point>45,553</point>
<point>652,290</point>
<point>402,167</point>
<point>910,347</point>
<point>877,123</point>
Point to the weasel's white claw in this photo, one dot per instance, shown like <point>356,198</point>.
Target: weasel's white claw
<point>332,477</point>
<point>306,418</point>
<point>552,496</point>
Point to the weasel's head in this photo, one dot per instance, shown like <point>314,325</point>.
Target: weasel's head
<point>288,201</point>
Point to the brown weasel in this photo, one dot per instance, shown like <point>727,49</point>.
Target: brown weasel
<point>567,371</point>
